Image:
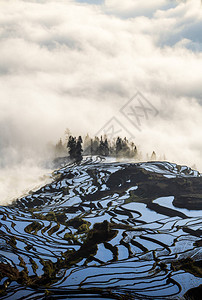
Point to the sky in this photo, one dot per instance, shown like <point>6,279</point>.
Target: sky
<point>132,67</point>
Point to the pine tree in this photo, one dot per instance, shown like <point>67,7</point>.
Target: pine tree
<point>153,156</point>
<point>95,146</point>
<point>67,134</point>
<point>125,148</point>
<point>106,147</point>
<point>80,139</point>
<point>87,145</point>
<point>101,147</point>
<point>59,149</point>
<point>78,150</point>
<point>118,145</point>
<point>133,152</point>
<point>71,145</point>
<point>75,148</point>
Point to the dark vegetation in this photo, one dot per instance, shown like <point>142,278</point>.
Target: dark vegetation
<point>186,191</point>
<point>97,146</point>
<point>100,146</point>
<point>100,233</point>
<point>75,148</point>
<point>194,294</point>
<point>188,265</point>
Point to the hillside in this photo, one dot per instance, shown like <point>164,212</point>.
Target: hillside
<point>105,230</point>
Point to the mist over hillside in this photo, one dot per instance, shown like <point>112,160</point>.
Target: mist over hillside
<point>76,64</point>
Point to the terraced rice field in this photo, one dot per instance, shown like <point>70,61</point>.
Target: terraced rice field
<point>105,230</point>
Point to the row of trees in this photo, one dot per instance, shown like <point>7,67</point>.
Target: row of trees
<point>99,146</point>
<point>102,146</point>
<point>119,147</point>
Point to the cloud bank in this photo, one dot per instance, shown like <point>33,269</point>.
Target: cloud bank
<point>75,64</point>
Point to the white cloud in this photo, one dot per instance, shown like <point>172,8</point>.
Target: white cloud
<point>67,64</point>
<point>131,8</point>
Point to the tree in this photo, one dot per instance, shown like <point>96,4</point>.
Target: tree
<point>106,147</point>
<point>59,149</point>
<point>91,147</point>
<point>67,134</point>
<point>101,150</point>
<point>95,146</point>
<point>133,150</point>
<point>87,145</point>
<point>78,150</point>
<point>153,156</point>
<point>72,146</point>
<point>75,148</point>
<point>118,145</point>
<point>125,148</point>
